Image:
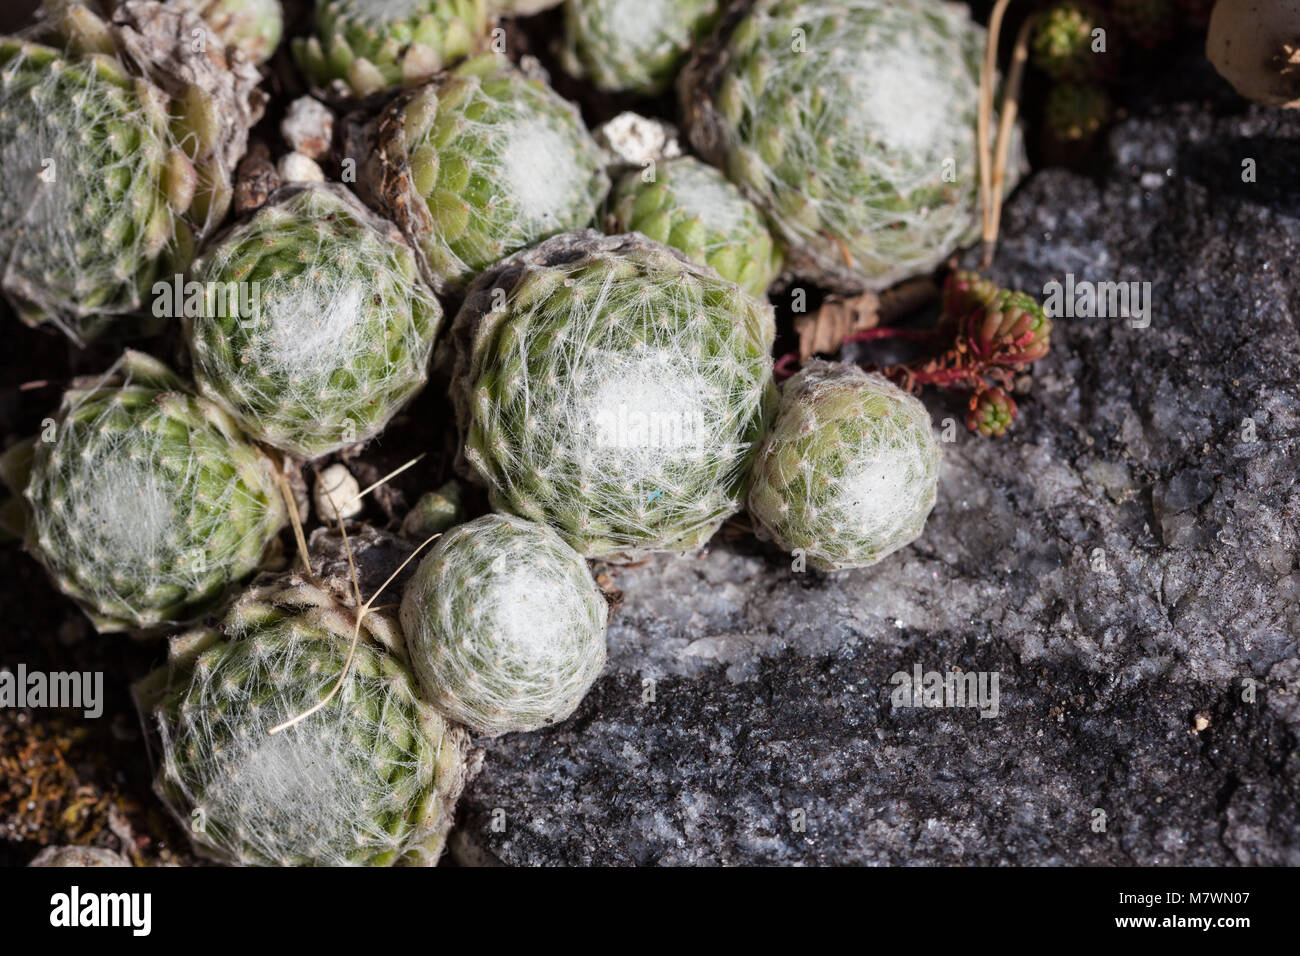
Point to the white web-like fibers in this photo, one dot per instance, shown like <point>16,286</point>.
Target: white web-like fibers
<point>643,407</point>
<point>698,191</point>
<point>149,503</point>
<point>873,497</point>
<point>504,625</point>
<point>902,98</point>
<point>134,510</point>
<point>638,20</point>
<point>849,472</point>
<point>538,173</point>
<point>314,322</point>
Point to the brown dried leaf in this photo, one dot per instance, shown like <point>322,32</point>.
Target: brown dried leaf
<point>822,332</point>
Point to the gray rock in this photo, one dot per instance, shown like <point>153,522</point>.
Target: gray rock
<point>1125,561</point>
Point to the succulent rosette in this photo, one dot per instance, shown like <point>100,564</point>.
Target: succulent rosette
<point>632,45</point>
<point>690,206</point>
<point>118,141</point>
<point>370,778</point>
<point>1062,44</point>
<point>144,502</point>
<point>1005,329</point>
<point>1077,111</point>
<point>482,162</point>
<point>315,327</point>
<point>504,625</point>
<point>611,388</point>
<point>852,125</point>
<point>360,47</point>
<point>850,471</point>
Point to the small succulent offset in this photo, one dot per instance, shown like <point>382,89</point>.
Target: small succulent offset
<point>632,45</point>
<point>850,471</point>
<point>504,625</point>
<point>253,26</point>
<point>482,162</point>
<point>692,207</point>
<point>118,141</point>
<point>364,46</point>
<point>370,778</point>
<point>852,125</point>
<point>1077,111</point>
<point>341,326</point>
<point>143,502</point>
<point>611,388</point>
<point>1063,41</point>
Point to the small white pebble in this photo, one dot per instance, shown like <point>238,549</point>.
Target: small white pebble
<point>335,484</point>
<point>297,168</point>
<point>308,127</point>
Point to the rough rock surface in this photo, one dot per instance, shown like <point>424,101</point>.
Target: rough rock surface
<point>1125,561</point>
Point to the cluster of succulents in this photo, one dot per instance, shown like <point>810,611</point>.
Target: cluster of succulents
<point>613,394</point>
<point>339,328</point>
